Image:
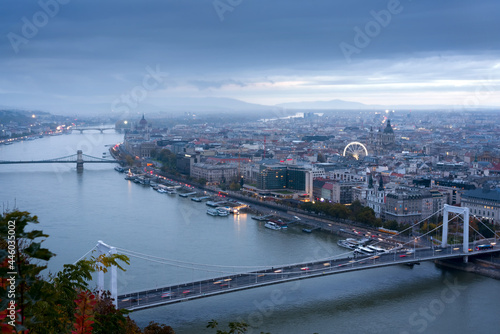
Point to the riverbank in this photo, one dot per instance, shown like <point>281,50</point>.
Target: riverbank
<point>483,267</point>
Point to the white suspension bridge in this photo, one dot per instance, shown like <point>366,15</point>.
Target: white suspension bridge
<point>227,279</point>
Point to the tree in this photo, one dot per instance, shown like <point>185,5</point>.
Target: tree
<point>234,186</point>
<point>108,320</point>
<point>168,160</point>
<point>356,208</point>
<point>84,313</point>
<point>234,327</point>
<point>307,206</point>
<point>155,328</point>
<point>391,225</point>
<point>366,216</point>
<point>130,160</point>
<point>22,249</point>
<point>46,305</point>
<point>321,158</point>
<point>486,228</point>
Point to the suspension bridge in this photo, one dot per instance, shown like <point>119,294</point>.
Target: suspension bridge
<point>227,279</point>
<point>79,159</point>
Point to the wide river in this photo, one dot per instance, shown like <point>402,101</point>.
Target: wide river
<point>77,210</point>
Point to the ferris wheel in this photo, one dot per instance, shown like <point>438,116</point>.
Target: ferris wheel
<point>355,150</point>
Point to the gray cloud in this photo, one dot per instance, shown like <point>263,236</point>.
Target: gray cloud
<point>96,50</point>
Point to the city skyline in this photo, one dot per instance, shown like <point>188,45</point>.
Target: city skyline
<point>71,57</point>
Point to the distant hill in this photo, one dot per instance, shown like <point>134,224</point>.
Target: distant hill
<point>212,104</point>
<point>18,116</point>
<point>352,105</point>
<point>332,104</point>
<point>177,105</point>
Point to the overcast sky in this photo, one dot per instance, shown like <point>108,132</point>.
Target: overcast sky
<point>96,54</point>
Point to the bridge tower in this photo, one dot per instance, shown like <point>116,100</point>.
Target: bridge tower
<point>79,161</point>
<point>103,248</point>
<point>464,212</point>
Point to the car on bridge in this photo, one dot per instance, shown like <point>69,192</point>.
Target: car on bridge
<point>483,247</point>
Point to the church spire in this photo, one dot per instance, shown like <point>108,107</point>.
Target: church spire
<point>380,183</point>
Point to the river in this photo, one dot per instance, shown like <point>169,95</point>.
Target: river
<point>77,210</point>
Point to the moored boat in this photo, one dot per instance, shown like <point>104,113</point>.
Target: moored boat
<point>119,169</point>
<point>223,212</point>
<point>212,212</point>
<point>364,250</point>
<point>272,225</point>
<point>377,250</point>
<point>351,243</point>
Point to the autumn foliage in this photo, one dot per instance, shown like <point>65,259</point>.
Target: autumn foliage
<point>84,315</point>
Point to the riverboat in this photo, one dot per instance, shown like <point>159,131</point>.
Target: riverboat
<point>351,243</point>
<point>364,250</point>
<point>273,226</point>
<point>377,250</point>
<point>212,212</point>
<point>223,212</point>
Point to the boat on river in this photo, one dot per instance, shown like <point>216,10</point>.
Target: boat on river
<point>364,250</point>
<point>272,225</point>
<point>212,212</point>
<point>377,250</point>
<point>119,169</point>
<point>351,243</point>
<point>223,212</point>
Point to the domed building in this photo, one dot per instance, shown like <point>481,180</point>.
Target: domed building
<point>143,124</point>
<point>383,141</point>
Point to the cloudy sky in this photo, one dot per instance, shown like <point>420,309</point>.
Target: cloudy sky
<point>76,55</point>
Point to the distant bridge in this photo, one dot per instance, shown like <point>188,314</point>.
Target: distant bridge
<point>77,158</point>
<point>101,129</point>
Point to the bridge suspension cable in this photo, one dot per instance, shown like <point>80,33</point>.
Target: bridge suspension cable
<point>479,220</point>
<point>179,265</point>
<point>90,251</point>
<point>190,263</point>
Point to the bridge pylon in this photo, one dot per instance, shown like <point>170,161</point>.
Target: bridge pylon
<point>79,161</point>
<point>103,248</point>
<point>464,212</point>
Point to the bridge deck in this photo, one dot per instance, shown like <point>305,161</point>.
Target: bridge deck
<point>231,283</point>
